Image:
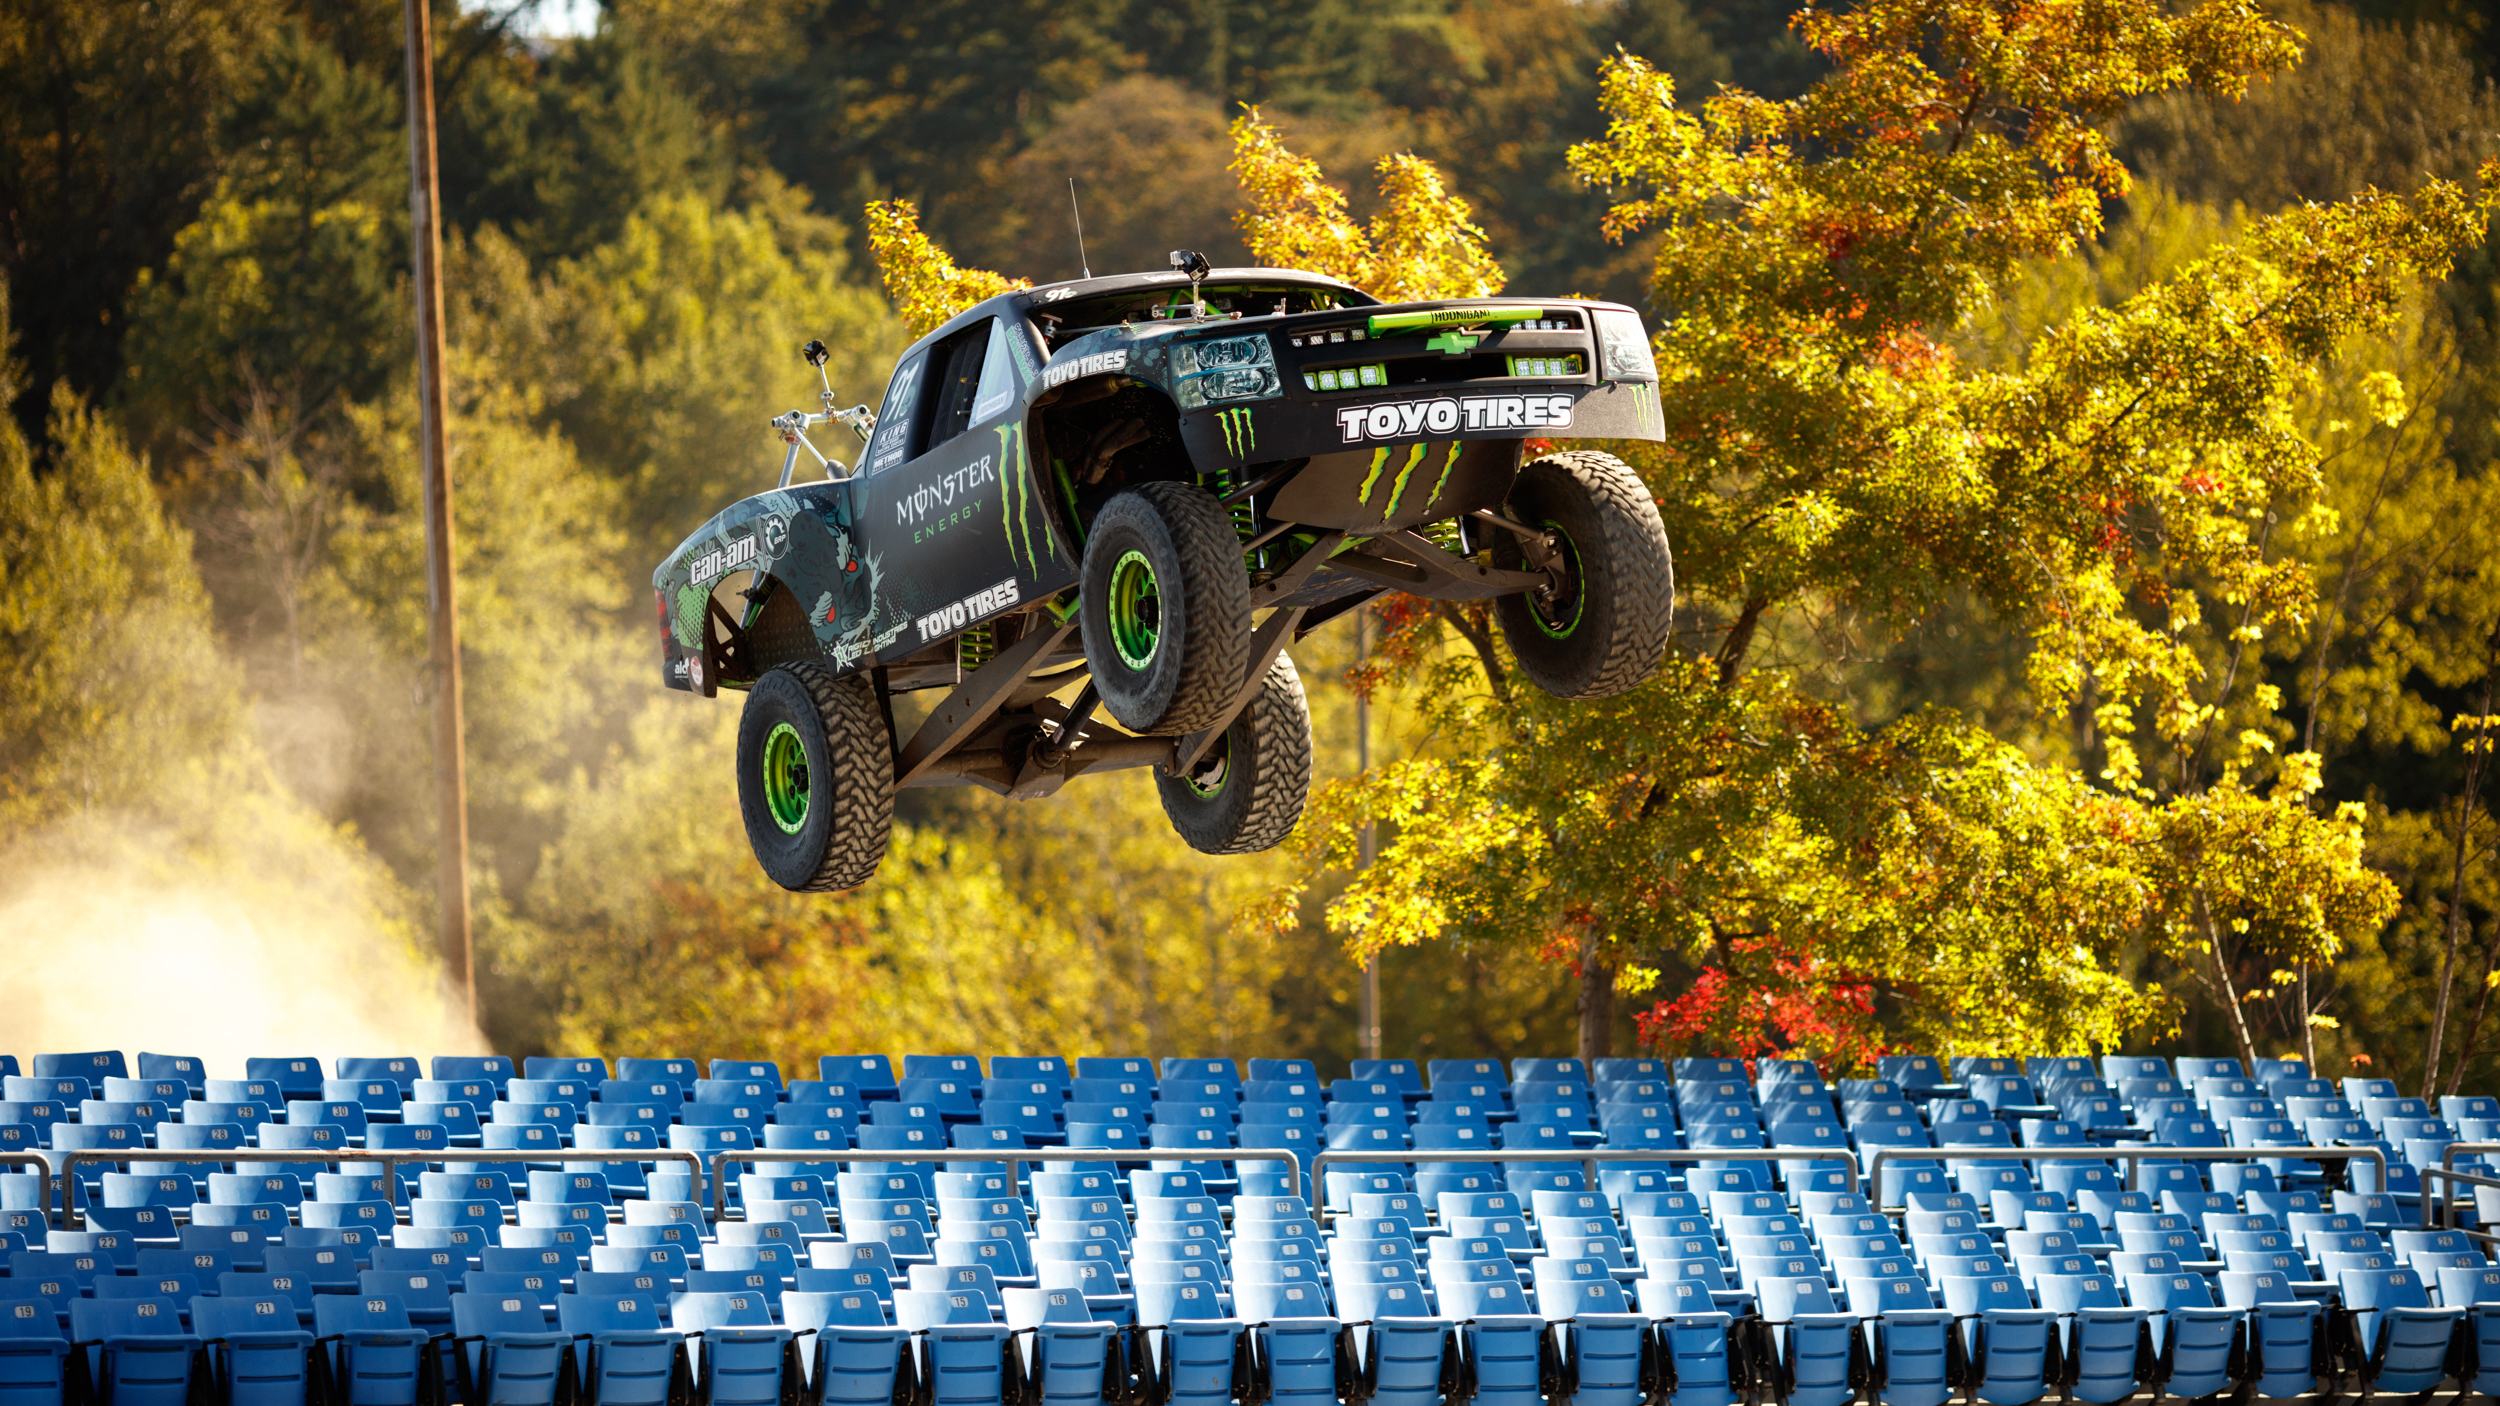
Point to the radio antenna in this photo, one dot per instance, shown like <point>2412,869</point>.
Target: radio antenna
<point>1079,217</point>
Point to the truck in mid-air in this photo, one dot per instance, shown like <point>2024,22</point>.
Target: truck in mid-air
<point>1143,488</point>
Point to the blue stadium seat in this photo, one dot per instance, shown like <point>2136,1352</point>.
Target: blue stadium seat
<point>503,1354</point>
<point>2404,1339</point>
<point>2010,1343</point>
<point>856,1356</point>
<point>259,1352</point>
<point>633,1360</point>
<point>137,1351</point>
<point>962,1346</point>
<point>744,1353</point>
<point>34,1352</point>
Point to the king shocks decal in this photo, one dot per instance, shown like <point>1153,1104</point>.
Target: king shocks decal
<point>1406,419</point>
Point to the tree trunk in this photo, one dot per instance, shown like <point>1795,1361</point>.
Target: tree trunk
<point>1597,1002</point>
<point>2478,741</point>
<point>2229,992</point>
<point>2308,1032</point>
<point>2473,1029</point>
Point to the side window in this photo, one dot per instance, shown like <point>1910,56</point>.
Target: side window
<point>954,377</point>
<point>997,388</point>
<point>892,444</point>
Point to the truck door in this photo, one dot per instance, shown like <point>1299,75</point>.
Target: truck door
<point>951,514</point>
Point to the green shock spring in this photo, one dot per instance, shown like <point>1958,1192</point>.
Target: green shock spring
<point>976,646</point>
<point>1449,534</point>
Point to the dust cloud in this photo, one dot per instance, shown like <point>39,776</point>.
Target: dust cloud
<point>264,941</point>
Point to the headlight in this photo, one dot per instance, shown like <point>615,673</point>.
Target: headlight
<point>1224,368</point>
<point>1623,349</point>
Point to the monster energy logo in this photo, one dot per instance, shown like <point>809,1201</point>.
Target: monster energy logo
<point>1240,435</point>
<point>1015,505</point>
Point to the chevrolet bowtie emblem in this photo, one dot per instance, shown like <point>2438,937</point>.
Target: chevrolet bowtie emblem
<point>1454,342</point>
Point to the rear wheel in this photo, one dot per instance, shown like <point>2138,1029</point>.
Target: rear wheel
<point>1602,625</point>
<point>815,778</point>
<point>1246,793</point>
<point>1166,608</point>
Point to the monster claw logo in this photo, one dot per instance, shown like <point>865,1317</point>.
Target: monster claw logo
<point>1015,501</point>
<point>1240,435</point>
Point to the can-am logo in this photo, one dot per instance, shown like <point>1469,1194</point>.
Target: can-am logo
<point>969,609</point>
<point>720,561</point>
<point>1408,419</point>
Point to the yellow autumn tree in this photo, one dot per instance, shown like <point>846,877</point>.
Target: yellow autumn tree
<point>924,283</point>
<point>1424,243</point>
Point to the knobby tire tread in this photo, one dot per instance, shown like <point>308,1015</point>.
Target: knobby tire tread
<point>1641,574</point>
<point>1215,595</point>
<point>863,779</point>
<point>1277,721</point>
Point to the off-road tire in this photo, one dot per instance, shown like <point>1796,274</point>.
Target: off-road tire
<point>1263,762</point>
<point>1200,647</point>
<point>840,836</point>
<point>1609,630</point>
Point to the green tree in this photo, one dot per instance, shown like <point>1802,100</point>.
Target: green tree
<point>108,144</point>
<point>293,273</point>
<point>1826,457</point>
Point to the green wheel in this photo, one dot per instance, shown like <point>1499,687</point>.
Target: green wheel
<point>1166,608</point>
<point>1600,625</point>
<point>815,778</point>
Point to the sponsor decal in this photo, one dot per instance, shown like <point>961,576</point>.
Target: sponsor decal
<point>1402,419</point>
<point>1240,435</point>
<point>971,609</point>
<point>894,421</point>
<point>775,535</point>
<point>940,493</point>
<point>1055,294</point>
<point>1015,503</point>
<point>721,560</point>
<point>694,671</point>
<point>1415,456</point>
<point>677,668</point>
<point>1059,373</point>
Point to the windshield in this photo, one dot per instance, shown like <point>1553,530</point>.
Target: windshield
<point>1163,302</point>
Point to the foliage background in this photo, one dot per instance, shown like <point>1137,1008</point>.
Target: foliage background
<point>208,529</point>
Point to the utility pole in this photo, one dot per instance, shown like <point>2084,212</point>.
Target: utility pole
<point>442,612</point>
<point>1369,1040</point>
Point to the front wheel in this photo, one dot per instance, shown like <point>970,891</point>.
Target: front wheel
<point>815,778</point>
<point>1165,608</point>
<point>1246,793</point>
<point>1601,627</point>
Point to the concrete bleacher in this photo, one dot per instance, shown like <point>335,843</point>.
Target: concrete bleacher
<point>1007,1230</point>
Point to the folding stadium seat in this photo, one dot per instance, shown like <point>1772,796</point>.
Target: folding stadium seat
<point>2404,1340</point>
<point>1817,1349</point>
<point>1511,1352</point>
<point>745,1356</point>
<point>1407,1356</point>
<point>2287,1353</point>
<point>1694,1343</point>
<point>633,1361</point>
<point>2475,1289</point>
<point>2193,1341</point>
<point>139,1354</point>
<point>2011,1344</point>
<point>259,1354</point>
<point>503,1353</point>
<point>2104,1341</point>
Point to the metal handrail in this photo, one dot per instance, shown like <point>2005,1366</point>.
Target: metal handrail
<point>2447,1171</point>
<point>1591,1156</point>
<point>43,1176</point>
<point>1587,1157</point>
<point>1875,1168</point>
<point>392,1158</point>
<point>721,1159</point>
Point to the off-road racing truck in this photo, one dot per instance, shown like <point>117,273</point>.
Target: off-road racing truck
<point>1151,484</point>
